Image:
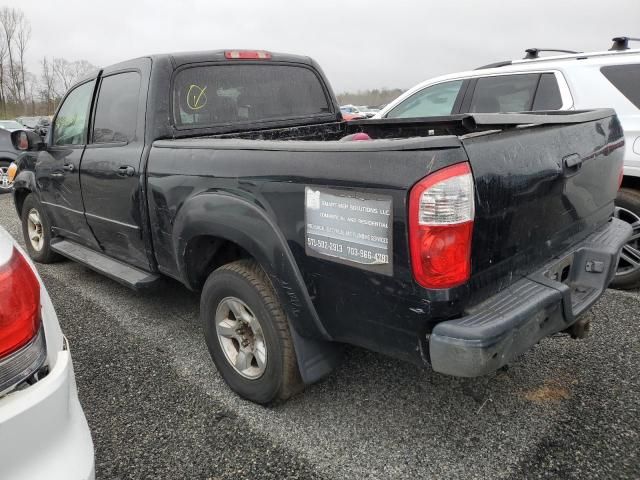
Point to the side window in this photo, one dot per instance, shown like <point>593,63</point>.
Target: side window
<point>548,94</point>
<point>504,93</point>
<point>117,108</point>
<point>434,101</point>
<point>71,121</point>
<point>626,78</point>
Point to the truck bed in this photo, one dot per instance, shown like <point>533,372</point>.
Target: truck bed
<point>530,206</point>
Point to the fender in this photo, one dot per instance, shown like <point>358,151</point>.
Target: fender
<point>231,218</point>
<point>25,180</point>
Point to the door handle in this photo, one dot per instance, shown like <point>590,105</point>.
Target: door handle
<point>68,167</point>
<point>572,162</point>
<point>126,171</point>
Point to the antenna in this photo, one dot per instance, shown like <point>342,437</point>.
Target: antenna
<point>534,52</point>
<point>622,43</point>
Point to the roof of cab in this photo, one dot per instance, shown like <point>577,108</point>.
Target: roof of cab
<point>183,58</point>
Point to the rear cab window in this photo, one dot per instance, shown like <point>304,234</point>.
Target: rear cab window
<point>209,95</point>
<point>626,78</point>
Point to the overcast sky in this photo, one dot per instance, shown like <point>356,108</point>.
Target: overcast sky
<point>359,43</point>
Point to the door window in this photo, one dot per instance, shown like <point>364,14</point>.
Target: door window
<point>436,100</point>
<point>504,93</point>
<point>117,109</point>
<point>71,122</point>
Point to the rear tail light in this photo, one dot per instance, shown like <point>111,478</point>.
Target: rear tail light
<point>247,55</point>
<point>19,304</point>
<point>441,213</point>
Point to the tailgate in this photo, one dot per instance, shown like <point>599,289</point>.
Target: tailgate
<point>539,189</point>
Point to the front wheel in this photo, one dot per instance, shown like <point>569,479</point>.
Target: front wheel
<point>247,333</point>
<point>5,184</point>
<point>628,210</point>
<point>37,231</point>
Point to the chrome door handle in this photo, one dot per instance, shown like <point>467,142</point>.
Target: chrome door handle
<point>68,167</point>
<point>126,171</point>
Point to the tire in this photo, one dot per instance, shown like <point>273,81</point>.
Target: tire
<point>243,287</point>
<point>628,209</point>
<point>39,251</point>
<point>5,186</point>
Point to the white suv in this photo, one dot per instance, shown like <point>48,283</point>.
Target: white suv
<point>573,80</point>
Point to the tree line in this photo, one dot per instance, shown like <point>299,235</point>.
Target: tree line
<point>371,98</point>
<point>25,93</point>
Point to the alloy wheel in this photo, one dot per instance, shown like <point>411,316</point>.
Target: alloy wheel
<point>630,255</point>
<point>241,338</point>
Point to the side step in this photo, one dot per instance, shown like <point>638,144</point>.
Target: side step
<point>127,275</point>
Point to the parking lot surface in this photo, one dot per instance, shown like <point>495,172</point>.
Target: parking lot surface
<point>158,409</point>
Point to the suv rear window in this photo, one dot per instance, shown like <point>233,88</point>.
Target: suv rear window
<point>626,78</point>
<point>504,93</point>
<point>227,94</point>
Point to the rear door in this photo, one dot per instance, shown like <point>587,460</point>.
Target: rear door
<point>58,168</point>
<point>110,172</point>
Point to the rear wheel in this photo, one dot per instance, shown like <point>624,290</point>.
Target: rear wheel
<point>36,230</point>
<point>247,333</point>
<point>628,209</point>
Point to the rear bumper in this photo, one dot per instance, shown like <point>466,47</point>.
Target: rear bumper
<point>43,430</point>
<point>536,306</point>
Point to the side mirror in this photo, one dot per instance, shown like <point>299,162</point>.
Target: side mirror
<point>24,140</point>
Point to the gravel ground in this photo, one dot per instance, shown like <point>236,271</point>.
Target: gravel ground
<point>158,409</point>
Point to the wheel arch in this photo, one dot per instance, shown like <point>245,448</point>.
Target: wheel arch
<point>219,228</point>
<point>23,185</point>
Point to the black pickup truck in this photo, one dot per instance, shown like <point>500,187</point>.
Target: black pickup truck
<point>456,242</point>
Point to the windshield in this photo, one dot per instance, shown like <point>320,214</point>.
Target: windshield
<point>227,94</point>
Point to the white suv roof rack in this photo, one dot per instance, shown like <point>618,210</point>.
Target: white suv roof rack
<point>620,46</point>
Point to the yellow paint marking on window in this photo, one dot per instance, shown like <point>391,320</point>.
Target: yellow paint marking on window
<point>196,97</point>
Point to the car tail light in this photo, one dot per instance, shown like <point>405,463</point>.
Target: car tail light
<point>441,213</point>
<point>247,55</point>
<point>19,304</point>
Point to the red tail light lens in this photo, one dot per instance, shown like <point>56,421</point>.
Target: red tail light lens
<point>247,55</point>
<point>441,213</point>
<point>19,304</point>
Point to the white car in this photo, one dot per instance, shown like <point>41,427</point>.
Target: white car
<point>571,81</point>
<point>43,430</point>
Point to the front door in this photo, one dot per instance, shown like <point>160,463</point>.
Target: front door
<point>110,171</point>
<point>58,168</point>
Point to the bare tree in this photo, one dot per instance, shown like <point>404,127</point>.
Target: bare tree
<point>3,58</point>
<point>23,35</point>
<point>8,19</point>
<point>68,73</point>
<point>48,92</point>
